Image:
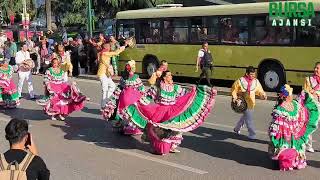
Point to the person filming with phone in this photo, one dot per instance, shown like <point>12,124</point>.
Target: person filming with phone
<point>23,155</point>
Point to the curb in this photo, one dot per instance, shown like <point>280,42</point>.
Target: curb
<point>272,96</point>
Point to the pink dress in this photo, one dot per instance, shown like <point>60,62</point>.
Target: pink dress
<point>127,93</point>
<point>9,97</point>
<point>175,110</point>
<point>64,98</point>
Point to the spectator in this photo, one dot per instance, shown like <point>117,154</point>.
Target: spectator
<point>20,140</point>
<point>82,56</point>
<point>64,35</point>
<point>13,51</point>
<point>3,38</point>
<point>6,52</point>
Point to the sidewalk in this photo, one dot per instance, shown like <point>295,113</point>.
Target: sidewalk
<point>221,90</point>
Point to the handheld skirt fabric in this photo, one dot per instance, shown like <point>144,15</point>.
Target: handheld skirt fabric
<point>64,99</point>
<point>188,113</point>
<point>9,97</point>
<point>289,132</point>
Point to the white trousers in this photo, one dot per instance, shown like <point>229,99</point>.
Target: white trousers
<point>23,76</point>
<point>108,87</point>
<point>246,118</point>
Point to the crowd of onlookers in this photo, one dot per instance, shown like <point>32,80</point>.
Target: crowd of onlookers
<point>84,51</point>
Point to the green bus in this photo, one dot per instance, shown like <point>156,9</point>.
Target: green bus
<point>239,35</point>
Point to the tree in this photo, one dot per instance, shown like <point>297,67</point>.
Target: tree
<point>15,7</point>
<point>73,12</point>
<point>48,11</point>
<point>141,3</point>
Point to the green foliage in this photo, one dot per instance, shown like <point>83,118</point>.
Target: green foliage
<point>140,3</point>
<point>15,7</point>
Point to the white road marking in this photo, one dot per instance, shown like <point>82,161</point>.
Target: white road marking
<point>149,158</point>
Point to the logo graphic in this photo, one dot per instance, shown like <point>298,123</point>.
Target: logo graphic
<point>291,13</point>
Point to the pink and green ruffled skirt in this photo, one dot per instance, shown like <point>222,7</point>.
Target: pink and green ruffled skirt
<point>9,97</point>
<point>187,114</point>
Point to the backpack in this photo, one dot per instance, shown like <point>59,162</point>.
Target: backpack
<point>206,60</point>
<point>14,171</point>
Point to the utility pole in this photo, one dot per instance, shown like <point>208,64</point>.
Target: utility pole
<point>25,18</point>
<point>89,22</point>
<point>48,10</point>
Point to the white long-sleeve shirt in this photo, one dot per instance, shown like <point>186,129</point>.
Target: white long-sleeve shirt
<point>22,56</point>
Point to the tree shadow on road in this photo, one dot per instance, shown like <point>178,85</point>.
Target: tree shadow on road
<point>211,143</point>
<point>98,132</point>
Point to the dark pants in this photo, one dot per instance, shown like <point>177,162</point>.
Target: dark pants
<point>206,74</point>
<point>12,61</point>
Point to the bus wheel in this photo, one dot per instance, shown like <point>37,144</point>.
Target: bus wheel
<point>150,66</point>
<point>271,76</point>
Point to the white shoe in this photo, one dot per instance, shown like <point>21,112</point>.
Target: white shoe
<point>175,151</point>
<point>61,118</point>
<point>310,149</point>
<point>53,118</point>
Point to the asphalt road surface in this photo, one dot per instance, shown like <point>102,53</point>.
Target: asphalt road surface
<point>85,148</point>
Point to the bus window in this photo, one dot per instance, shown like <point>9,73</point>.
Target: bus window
<point>235,30</point>
<point>205,29</point>
<point>198,31</point>
<point>175,31</point>
<point>126,29</point>
<point>261,34</point>
<point>284,35</point>
<point>149,31</point>
<point>309,36</point>
<point>212,24</point>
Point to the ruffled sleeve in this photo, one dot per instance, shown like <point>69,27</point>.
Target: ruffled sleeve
<point>150,95</point>
<point>181,91</point>
<point>47,77</point>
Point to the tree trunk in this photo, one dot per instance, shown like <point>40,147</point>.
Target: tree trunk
<point>48,10</point>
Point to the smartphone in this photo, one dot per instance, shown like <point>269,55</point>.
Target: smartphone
<point>28,142</point>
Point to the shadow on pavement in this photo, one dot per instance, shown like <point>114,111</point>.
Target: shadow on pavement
<point>27,114</point>
<point>99,132</point>
<point>91,111</point>
<point>211,143</point>
<point>216,134</point>
<point>315,164</point>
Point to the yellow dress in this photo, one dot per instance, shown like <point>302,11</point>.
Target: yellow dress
<point>239,87</point>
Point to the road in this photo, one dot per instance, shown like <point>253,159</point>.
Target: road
<point>85,148</point>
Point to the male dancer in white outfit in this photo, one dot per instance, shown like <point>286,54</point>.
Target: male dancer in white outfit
<point>21,56</point>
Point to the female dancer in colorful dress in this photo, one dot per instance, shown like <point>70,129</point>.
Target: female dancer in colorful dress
<point>175,110</point>
<point>9,97</point>
<point>156,75</point>
<point>128,92</point>
<point>65,60</point>
<point>312,85</point>
<point>63,97</point>
<point>293,122</point>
